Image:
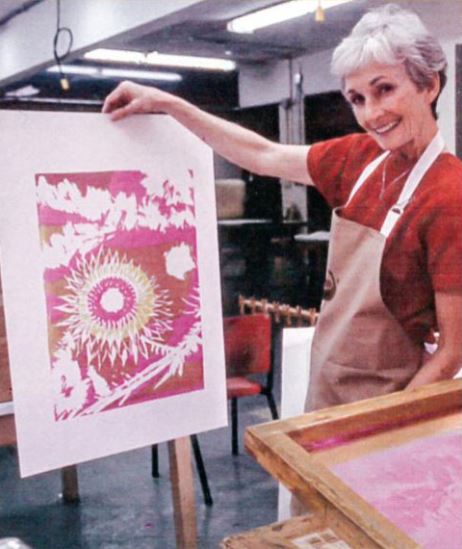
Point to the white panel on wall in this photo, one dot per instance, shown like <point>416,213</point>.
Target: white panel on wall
<point>264,84</point>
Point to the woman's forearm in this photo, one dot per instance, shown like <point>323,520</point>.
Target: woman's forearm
<point>235,143</point>
<point>441,366</point>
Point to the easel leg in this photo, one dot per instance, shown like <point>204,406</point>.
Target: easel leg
<point>184,505</point>
<point>70,483</point>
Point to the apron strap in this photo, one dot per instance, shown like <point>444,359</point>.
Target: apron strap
<point>430,154</point>
<point>366,173</point>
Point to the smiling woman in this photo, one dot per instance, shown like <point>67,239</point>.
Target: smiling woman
<point>398,199</point>
<point>387,59</point>
<point>389,106</point>
<point>392,36</point>
<point>396,241</point>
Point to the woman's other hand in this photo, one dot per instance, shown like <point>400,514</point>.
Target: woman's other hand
<point>130,98</point>
<point>446,362</point>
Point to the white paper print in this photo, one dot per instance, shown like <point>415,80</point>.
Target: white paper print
<point>111,285</point>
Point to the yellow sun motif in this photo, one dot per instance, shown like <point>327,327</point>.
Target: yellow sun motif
<point>114,309</point>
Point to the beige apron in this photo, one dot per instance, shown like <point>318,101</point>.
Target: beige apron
<point>359,349</point>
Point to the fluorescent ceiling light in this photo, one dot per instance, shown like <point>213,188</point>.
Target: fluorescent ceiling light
<point>107,72</point>
<point>246,24</point>
<point>161,59</point>
<point>117,56</point>
<point>24,91</point>
<point>189,61</point>
<point>142,75</point>
<point>74,69</point>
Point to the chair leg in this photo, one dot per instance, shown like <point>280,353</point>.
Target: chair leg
<point>199,464</point>
<point>272,405</point>
<point>234,427</point>
<point>155,461</point>
<point>201,471</point>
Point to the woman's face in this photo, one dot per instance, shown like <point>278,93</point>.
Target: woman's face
<point>388,105</point>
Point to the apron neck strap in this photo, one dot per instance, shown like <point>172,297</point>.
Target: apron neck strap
<point>366,173</point>
<point>430,154</point>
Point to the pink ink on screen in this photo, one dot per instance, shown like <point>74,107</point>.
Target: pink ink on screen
<point>122,289</point>
<point>417,486</point>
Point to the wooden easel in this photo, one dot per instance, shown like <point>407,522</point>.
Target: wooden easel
<point>184,503</point>
<point>181,475</point>
<point>69,480</point>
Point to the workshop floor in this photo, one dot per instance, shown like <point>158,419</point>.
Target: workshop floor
<point>123,507</point>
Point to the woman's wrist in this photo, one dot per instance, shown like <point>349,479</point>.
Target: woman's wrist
<point>169,104</point>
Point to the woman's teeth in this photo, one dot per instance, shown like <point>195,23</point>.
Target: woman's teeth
<point>384,129</point>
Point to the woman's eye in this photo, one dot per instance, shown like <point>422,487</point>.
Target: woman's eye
<point>357,100</point>
<point>385,89</point>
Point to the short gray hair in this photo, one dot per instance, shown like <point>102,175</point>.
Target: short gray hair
<point>392,35</point>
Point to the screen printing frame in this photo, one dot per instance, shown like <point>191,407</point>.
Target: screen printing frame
<point>283,449</point>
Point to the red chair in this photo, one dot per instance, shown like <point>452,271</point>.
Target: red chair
<point>249,356</point>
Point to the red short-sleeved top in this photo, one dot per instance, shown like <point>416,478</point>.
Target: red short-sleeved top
<point>423,254</point>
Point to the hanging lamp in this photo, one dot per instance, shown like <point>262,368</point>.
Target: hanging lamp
<point>319,15</point>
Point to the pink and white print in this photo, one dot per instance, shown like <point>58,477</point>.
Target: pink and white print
<point>122,288</point>
<point>111,285</point>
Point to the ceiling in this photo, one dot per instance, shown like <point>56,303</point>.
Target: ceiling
<point>201,30</point>
<point>204,32</point>
<point>11,8</point>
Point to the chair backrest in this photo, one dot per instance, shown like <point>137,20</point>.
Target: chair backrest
<point>247,341</point>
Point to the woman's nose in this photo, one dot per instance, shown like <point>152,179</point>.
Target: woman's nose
<point>372,112</point>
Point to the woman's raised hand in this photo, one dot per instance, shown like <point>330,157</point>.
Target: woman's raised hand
<point>130,98</point>
<point>235,143</point>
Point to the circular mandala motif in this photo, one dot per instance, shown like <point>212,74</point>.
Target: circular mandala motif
<point>114,309</point>
<point>112,300</point>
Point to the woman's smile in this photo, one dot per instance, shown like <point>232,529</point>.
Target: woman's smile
<point>385,128</point>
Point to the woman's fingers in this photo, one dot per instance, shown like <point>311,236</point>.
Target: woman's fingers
<point>132,107</point>
<point>130,98</point>
<point>119,113</point>
<point>115,99</point>
<point>123,100</point>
